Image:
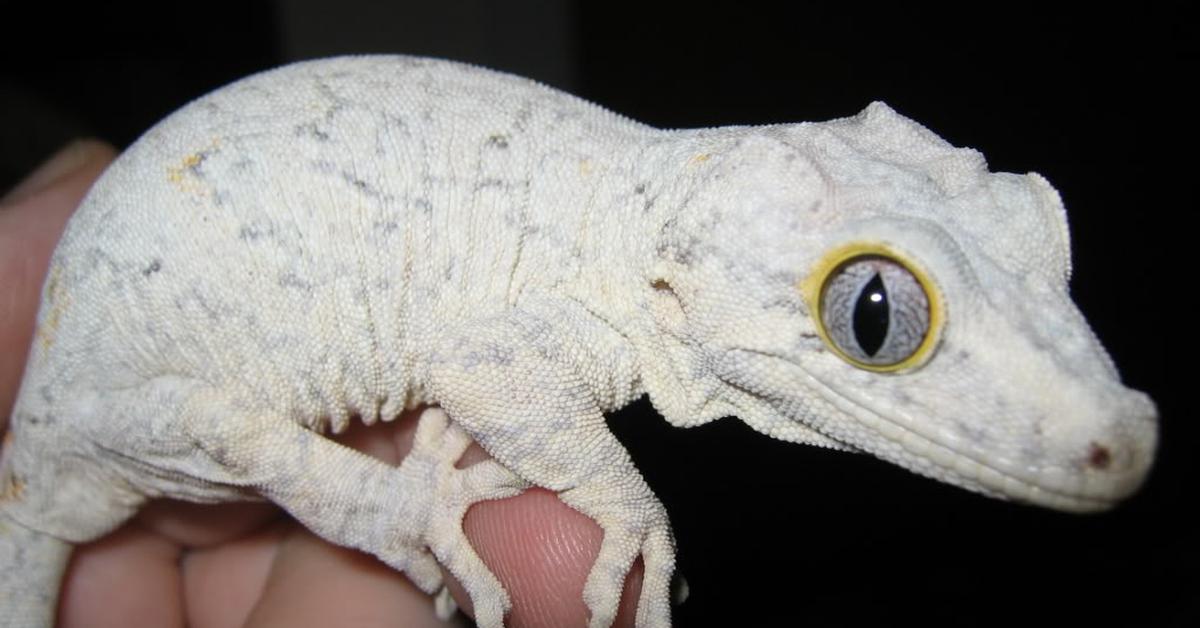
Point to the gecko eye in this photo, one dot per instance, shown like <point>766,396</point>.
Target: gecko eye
<point>876,312</point>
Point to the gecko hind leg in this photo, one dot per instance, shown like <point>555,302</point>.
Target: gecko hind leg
<point>405,515</point>
<point>199,443</point>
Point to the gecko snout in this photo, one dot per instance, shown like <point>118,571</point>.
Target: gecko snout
<point>1118,459</point>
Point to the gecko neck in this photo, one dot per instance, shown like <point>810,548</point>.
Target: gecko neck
<point>661,177</point>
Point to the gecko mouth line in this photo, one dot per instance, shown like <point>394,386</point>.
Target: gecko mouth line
<point>973,473</point>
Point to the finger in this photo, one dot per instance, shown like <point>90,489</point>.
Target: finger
<point>313,583</point>
<point>130,577</point>
<point>200,526</point>
<point>542,551</point>
<point>31,219</point>
<point>223,583</point>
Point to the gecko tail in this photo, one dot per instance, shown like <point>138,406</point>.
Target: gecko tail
<point>34,563</point>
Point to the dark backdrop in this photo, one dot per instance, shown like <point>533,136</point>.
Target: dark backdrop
<point>770,533</point>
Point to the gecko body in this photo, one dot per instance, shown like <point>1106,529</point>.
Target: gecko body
<point>353,237</point>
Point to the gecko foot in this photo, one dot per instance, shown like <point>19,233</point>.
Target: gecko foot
<point>440,443</point>
<point>629,531</point>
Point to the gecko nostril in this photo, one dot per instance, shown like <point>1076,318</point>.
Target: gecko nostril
<point>1099,457</point>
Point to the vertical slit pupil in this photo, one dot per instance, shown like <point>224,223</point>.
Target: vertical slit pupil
<point>871,316</point>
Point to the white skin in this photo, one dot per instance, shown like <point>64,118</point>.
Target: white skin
<point>245,564</point>
<point>1020,402</point>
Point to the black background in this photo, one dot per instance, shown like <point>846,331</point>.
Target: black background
<point>771,533</point>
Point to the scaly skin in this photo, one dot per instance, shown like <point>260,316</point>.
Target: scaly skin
<point>357,236</point>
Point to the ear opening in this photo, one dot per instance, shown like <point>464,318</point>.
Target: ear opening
<point>666,303</point>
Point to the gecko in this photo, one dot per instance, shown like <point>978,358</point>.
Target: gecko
<point>343,239</point>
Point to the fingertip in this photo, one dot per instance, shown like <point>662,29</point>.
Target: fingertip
<point>314,583</point>
<point>222,584</point>
<point>200,526</point>
<point>129,577</point>
<point>542,551</point>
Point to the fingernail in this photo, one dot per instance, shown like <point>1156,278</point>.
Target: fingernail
<point>64,162</point>
<point>679,589</point>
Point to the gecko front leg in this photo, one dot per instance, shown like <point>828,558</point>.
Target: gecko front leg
<point>527,385</point>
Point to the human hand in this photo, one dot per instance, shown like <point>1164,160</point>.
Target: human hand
<point>247,564</point>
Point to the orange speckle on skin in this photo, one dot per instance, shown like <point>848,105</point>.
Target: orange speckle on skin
<point>184,174</point>
<point>57,303</point>
<point>176,173</point>
<point>11,487</point>
<point>13,490</point>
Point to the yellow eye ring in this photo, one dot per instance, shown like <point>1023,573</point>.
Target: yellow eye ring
<point>910,330</point>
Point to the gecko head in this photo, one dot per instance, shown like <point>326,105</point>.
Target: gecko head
<point>863,284</point>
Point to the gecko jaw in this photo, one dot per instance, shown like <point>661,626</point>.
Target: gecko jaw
<point>1102,474</point>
